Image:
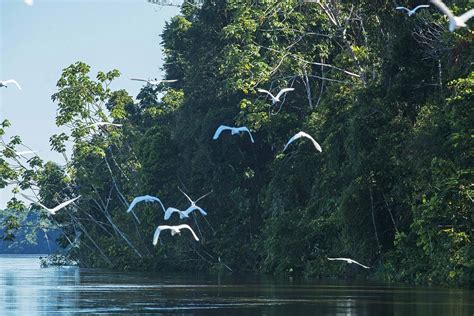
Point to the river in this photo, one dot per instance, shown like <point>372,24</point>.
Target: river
<point>27,289</point>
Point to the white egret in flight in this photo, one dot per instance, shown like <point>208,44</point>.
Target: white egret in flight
<point>174,230</point>
<point>303,134</point>
<point>26,152</point>
<point>233,131</point>
<point>186,212</point>
<point>455,22</point>
<point>51,211</point>
<point>348,260</point>
<point>182,214</point>
<point>144,198</point>
<point>6,82</point>
<point>412,11</point>
<point>154,82</point>
<point>276,98</point>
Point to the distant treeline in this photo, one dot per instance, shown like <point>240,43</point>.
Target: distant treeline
<point>30,239</point>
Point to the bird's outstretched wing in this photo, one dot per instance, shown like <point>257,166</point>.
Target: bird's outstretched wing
<point>29,198</point>
<point>179,227</point>
<point>421,6</point>
<point>169,81</point>
<point>158,231</point>
<point>155,199</point>
<point>219,131</point>
<point>107,123</point>
<point>193,208</point>
<point>315,143</point>
<point>245,129</point>
<point>187,196</point>
<point>134,202</point>
<point>292,139</point>
<point>156,235</point>
<point>137,79</point>
<point>202,197</point>
<point>353,261</point>
<point>169,211</point>
<point>340,259</point>
<point>63,205</point>
<point>27,152</point>
<point>402,8</point>
<point>53,210</point>
<point>303,134</point>
<point>466,16</point>
<point>12,81</point>
<point>267,92</point>
<point>443,8</point>
<point>203,212</point>
<point>157,82</point>
<point>285,90</point>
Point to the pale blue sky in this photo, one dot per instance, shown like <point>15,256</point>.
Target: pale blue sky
<point>37,42</point>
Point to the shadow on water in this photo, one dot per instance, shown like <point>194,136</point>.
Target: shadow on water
<point>26,289</point>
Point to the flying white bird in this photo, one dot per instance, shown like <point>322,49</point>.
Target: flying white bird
<point>303,134</point>
<point>348,260</point>
<point>455,22</point>
<point>103,124</point>
<point>413,11</point>
<point>144,198</point>
<point>51,211</point>
<point>233,130</point>
<point>27,152</point>
<point>276,98</point>
<point>174,230</point>
<point>6,82</point>
<point>186,212</point>
<point>28,2</point>
<point>182,214</point>
<point>154,82</point>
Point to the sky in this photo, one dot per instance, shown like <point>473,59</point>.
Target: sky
<point>37,42</point>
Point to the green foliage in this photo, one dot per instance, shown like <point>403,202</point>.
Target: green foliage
<point>16,173</point>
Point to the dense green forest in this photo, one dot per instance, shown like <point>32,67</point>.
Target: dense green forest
<point>389,98</point>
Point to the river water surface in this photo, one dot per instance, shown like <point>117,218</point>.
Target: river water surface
<point>27,289</point>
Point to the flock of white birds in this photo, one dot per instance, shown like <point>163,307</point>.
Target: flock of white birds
<point>168,212</point>
<point>455,22</point>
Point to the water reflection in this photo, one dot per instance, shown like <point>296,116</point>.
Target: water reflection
<point>26,289</point>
